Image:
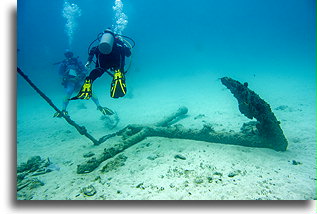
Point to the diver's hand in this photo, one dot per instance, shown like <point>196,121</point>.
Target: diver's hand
<point>85,92</point>
<point>87,66</point>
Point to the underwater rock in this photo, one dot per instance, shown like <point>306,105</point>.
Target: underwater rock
<point>217,174</point>
<point>179,156</point>
<point>21,185</point>
<point>22,167</point>
<point>294,162</point>
<point>198,181</point>
<point>200,116</point>
<point>282,107</point>
<point>88,154</point>
<point>140,186</point>
<point>21,176</point>
<point>33,167</point>
<point>285,108</point>
<point>30,183</point>
<point>216,177</point>
<point>36,165</point>
<point>89,191</point>
<point>152,157</point>
<point>234,173</point>
<point>114,164</point>
<point>35,183</point>
<point>209,179</point>
<point>172,185</point>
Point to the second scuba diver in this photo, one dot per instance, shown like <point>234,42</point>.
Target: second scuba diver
<point>72,73</point>
<point>110,58</point>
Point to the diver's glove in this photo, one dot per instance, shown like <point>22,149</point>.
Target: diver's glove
<point>85,92</point>
<point>60,113</point>
<point>105,110</point>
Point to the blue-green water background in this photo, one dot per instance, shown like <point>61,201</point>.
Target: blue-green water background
<point>236,38</point>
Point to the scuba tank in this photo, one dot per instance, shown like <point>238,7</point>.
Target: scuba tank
<point>106,42</point>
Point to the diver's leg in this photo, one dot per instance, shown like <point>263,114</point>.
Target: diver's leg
<point>95,100</point>
<point>94,74</point>
<point>86,89</point>
<point>69,90</point>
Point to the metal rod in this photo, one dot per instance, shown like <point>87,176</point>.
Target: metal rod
<point>81,129</point>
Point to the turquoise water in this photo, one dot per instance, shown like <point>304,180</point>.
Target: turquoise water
<point>182,45</point>
<point>227,37</point>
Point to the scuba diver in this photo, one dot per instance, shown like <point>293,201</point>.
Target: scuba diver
<point>110,56</point>
<point>73,73</point>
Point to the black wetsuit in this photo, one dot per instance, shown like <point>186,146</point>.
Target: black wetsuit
<point>113,61</point>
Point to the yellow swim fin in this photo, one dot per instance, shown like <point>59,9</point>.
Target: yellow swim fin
<point>85,92</point>
<point>118,86</point>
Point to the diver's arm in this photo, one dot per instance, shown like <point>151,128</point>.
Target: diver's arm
<point>90,57</point>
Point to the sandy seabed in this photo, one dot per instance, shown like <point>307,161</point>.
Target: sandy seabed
<point>152,169</point>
